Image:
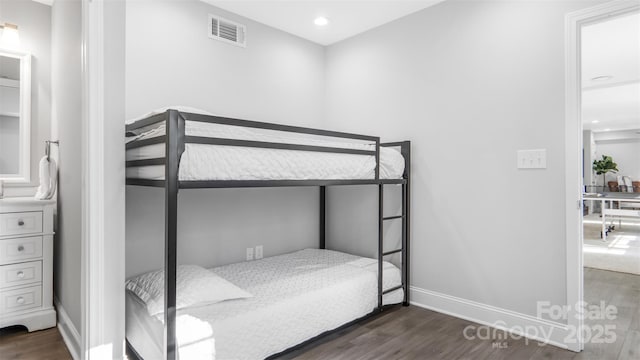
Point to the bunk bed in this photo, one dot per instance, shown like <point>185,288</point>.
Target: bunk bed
<point>175,150</point>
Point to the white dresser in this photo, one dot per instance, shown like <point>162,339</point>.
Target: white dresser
<point>26,263</point>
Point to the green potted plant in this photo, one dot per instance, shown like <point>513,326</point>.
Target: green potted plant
<point>603,166</point>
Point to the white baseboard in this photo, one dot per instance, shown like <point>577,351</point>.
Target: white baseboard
<point>540,330</point>
<point>68,331</point>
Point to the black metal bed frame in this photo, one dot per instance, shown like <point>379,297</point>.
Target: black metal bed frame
<point>175,140</point>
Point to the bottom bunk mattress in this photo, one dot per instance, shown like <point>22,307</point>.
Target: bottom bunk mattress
<point>295,297</point>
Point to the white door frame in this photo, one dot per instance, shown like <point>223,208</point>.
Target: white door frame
<point>573,150</point>
<point>103,184</point>
<point>93,267</point>
<point>97,338</point>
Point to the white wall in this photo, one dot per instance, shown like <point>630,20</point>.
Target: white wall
<point>114,175</point>
<point>588,155</point>
<point>34,25</point>
<point>9,124</point>
<point>624,151</point>
<point>9,144</point>
<point>469,83</point>
<point>588,175</point>
<point>215,226</point>
<point>66,126</point>
<point>352,224</point>
<point>277,78</point>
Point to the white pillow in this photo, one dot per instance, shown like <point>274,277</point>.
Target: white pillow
<point>195,286</point>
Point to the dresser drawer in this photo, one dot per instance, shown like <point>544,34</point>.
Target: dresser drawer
<point>12,250</point>
<point>20,299</point>
<point>20,274</point>
<point>21,223</point>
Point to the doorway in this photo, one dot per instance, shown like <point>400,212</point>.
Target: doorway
<point>610,54</point>
<point>588,85</point>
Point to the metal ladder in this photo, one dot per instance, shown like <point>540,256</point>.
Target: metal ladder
<point>403,249</point>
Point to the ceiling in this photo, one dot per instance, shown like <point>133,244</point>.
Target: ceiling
<point>611,49</point>
<point>346,18</point>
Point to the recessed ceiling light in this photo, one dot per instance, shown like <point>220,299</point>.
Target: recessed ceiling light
<point>595,121</point>
<point>602,78</point>
<point>607,129</point>
<point>321,21</point>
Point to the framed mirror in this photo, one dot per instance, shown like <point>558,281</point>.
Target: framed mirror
<point>15,116</point>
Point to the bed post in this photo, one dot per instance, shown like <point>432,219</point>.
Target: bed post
<point>380,224</point>
<point>380,242</point>
<point>377,170</point>
<point>405,150</point>
<point>323,218</point>
<point>174,146</point>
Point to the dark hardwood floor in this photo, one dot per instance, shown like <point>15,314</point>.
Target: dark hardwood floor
<point>415,333</point>
<point>17,344</point>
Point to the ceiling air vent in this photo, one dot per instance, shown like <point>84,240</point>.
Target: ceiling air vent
<point>227,31</point>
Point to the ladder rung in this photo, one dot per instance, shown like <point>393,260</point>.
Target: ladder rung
<point>391,252</point>
<point>393,289</point>
<point>393,217</point>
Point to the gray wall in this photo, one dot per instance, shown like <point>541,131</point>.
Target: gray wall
<point>66,34</point>
<point>34,23</point>
<point>469,83</point>
<point>277,78</point>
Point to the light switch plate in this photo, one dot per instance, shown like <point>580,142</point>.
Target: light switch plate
<point>532,159</point>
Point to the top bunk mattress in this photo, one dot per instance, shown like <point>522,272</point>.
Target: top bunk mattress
<point>205,162</point>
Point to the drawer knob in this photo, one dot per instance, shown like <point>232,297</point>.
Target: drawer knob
<point>20,300</point>
<point>20,248</point>
<point>20,274</point>
<point>20,222</point>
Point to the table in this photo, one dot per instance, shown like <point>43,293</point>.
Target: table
<point>610,197</point>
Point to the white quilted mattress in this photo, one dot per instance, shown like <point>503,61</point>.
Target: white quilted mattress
<point>297,296</point>
<point>216,162</point>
